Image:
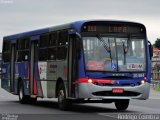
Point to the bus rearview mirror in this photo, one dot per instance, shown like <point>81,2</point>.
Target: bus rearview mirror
<point>150,49</point>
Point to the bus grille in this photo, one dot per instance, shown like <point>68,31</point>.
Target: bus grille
<point>109,93</point>
<point>124,84</point>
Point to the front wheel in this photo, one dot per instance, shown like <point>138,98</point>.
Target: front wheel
<point>63,103</point>
<point>33,100</point>
<point>122,104</point>
<point>22,97</point>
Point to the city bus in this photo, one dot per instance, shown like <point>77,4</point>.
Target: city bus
<point>97,61</point>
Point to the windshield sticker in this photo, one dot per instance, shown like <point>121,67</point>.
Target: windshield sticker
<point>95,65</point>
<point>113,44</point>
<point>120,62</point>
<point>135,66</point>
<point>114,66</point>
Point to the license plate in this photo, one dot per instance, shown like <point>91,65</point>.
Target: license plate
<point>117,90</point>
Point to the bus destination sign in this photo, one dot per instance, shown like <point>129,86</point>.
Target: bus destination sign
<point>109,29</point>
<point>116,29</point>
<point>112,29</point>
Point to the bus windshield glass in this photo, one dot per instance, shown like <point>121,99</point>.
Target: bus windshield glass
<point>106,53</point>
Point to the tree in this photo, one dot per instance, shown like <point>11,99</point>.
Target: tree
<point>157,43</point>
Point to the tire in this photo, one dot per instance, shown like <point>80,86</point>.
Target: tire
<point>33,100</point>
<point>63,103</point>
<point>122,104</point>
<point>23,99</point>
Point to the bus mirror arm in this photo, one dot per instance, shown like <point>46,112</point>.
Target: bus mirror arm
<point>78,46</point>
<point>150,49</point>
<point>78,35</point>
<point>73,32</point>
<point>78,43</point>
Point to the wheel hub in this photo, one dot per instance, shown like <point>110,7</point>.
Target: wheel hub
<point>61,96</point>
<point>20,93</point>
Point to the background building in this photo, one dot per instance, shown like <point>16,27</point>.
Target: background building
<point>156,64</point>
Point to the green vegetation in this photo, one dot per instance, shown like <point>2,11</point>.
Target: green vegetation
<point>158,88</point>
<point>157,43</point>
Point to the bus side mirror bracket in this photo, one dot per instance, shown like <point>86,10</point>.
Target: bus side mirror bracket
<point>73,32</point>
<point>150,49</point>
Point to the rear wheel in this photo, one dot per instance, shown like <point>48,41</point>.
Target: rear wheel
<point>22,97</point>
<point>63,103</point>
<point>122,104</point>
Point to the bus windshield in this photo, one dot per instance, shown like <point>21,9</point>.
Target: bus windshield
<point>106,53</point>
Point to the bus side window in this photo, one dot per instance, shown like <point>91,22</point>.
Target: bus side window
<point>6,51</point>
<point>25,55</point>
<point>19,56</point>
<point>22,49</point>
<point>43,47</point>
<point>62,53</point>
<point>52,49</point>
<point>43,53</point>
<point>63,38</point>
<point>44,40</point>
<point>52,53</point>
<point>62,45</point>
<point>53,39</point>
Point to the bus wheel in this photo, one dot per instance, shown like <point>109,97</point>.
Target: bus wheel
<point>22,98</point>
<point>63,103</point>
<point>122,104</point>
<point>33,100</point>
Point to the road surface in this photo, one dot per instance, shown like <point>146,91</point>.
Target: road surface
<point>47,109</point>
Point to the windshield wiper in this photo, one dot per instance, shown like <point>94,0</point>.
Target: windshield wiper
<point>106,46</point>
<point>104,43</point>
<point>124,50</point>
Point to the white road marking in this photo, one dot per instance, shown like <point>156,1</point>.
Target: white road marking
<point>155,98</point>
<point>107,115</point>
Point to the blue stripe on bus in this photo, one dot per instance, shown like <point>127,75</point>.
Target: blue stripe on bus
<point>148,64</point>
<point>25,34</point>
<point>76,25</point>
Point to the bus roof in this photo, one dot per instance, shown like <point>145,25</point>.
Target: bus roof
<point>77,25</point>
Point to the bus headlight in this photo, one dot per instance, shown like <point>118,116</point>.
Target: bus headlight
<point>142,82</point>
<point>90,81</point>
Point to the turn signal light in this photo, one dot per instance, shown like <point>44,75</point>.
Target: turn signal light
<point>145,78</point>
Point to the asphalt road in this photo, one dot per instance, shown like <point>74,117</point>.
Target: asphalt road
<point>47,109</point>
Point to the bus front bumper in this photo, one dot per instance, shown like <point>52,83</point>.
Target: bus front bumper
<point>91,91</point>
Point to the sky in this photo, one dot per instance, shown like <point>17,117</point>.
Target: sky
<point>18,16</point>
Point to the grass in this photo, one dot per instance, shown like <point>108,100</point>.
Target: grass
<point>158,88</point>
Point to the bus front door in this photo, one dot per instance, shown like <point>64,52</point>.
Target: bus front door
<point>33,68</point>
<point>72,66</point>
<point>12,63</point>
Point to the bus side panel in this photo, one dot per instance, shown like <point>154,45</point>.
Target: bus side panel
<point>5,82</point>
<point>22,72</point>
<point>62,73</point>
<point>51,77</point>
<point>49,73</point>
<point>42,86</point>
